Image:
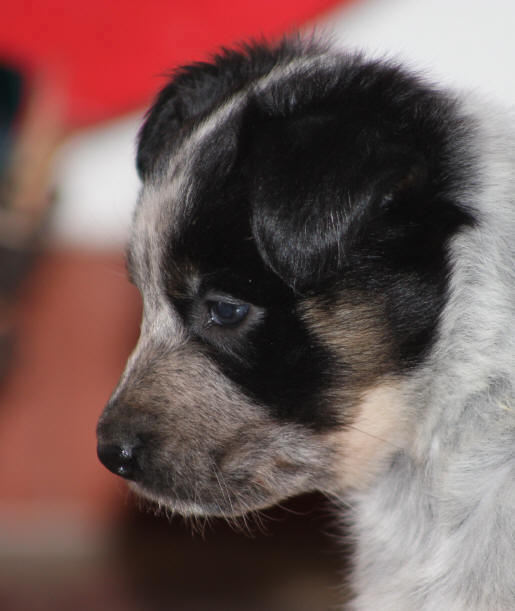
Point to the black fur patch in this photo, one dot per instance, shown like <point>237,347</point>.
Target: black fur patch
<point>277,362</point>
<point>344,177</point>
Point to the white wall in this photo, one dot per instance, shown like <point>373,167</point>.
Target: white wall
<point>462,43</point>
<point>97,186</point>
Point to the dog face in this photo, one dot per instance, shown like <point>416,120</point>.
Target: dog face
<point>290,246</point>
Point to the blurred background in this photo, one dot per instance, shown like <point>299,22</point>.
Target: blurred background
<point>75,80</point>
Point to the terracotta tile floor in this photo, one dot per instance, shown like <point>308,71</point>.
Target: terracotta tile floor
<point>70,537</point>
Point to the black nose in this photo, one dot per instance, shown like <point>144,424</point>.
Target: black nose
<point>121,460</point>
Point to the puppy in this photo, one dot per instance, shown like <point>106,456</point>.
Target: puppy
<point>324,245</point>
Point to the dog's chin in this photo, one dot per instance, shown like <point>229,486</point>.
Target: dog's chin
<point>200,508</point>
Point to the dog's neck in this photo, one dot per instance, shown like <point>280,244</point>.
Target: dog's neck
<point>437,528</point>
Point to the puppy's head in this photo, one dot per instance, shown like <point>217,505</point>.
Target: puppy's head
<point>290,247</point>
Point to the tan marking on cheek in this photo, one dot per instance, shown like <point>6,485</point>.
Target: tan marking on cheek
<point>379,429</point>
<point>355,331</point>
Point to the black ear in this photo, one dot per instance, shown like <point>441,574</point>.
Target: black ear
<point>162,122</point>
<point>190,94</point>
<point>316,189</point>
<point>194,90</point>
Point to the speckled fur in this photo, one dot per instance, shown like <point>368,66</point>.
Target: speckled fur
<point>437,528</point>
<point>419,441</point>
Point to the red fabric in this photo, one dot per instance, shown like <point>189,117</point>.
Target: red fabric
<point>108,55</point>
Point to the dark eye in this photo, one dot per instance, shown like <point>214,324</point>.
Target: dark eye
<point>228,314</point>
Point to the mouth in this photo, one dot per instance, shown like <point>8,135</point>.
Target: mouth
<point>222,508</point>
<point>220,503</point>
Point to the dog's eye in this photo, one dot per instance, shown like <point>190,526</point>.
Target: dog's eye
<point>228,314</point>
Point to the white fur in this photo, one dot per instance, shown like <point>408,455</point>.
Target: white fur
<point>436,531</point>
